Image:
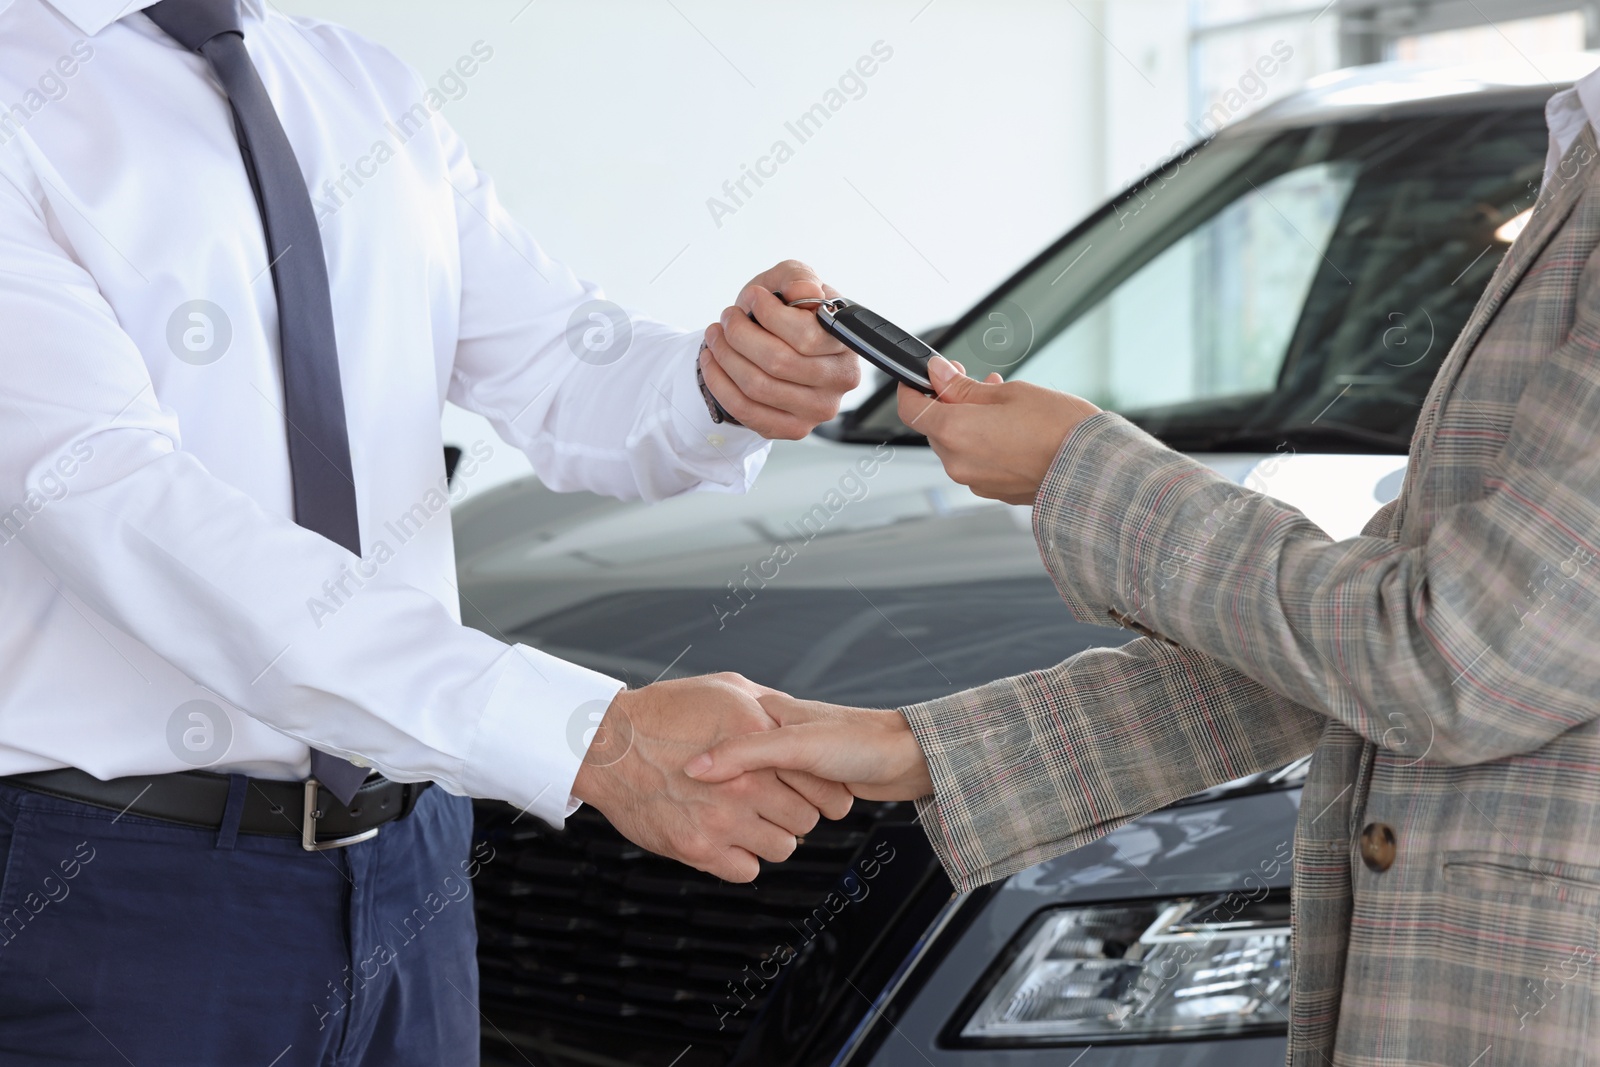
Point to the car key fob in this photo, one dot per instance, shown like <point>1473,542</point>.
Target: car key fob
<point>878,341</point>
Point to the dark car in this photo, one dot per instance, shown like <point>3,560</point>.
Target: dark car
<point>1274,302</point>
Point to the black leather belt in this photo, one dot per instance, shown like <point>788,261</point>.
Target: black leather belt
<point>273,807</point>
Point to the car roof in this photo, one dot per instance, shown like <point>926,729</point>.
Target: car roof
<point>1394,89</point>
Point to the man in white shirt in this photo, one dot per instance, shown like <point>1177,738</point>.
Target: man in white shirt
<point>169,604</point>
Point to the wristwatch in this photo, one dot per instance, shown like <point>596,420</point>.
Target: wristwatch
<point>719,414</point>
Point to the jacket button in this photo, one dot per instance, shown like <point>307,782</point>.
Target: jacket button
<point>1378,846</point>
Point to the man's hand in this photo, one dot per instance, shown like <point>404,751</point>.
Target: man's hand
<point>874,753</point>
<point>780,375</point>
<point>633,773</point>
<point>997,438</point>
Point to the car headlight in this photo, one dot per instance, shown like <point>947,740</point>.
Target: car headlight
<point>1193,967</point>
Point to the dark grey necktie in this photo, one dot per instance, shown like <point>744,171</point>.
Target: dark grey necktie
<point>319,446</point>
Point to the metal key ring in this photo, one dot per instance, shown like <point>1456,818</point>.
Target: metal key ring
<point>804,301</point>
<point>820,301</point>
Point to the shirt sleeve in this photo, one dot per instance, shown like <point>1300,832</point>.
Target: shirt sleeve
<point>123,520</point>
<point>598,397</point>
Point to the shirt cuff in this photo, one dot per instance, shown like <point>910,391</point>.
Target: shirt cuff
<point>734,454</point>
<point>534,732</point>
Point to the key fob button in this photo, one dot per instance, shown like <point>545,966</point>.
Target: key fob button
<point>890,334</point>
<point>899,354</point>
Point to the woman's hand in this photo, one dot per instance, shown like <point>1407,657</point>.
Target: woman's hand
<point>873,753</point>
<point>997,438</point>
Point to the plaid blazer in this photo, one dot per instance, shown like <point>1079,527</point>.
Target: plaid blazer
<point>1445,667</point>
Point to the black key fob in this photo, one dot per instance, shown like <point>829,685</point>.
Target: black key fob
<point>878,341</point>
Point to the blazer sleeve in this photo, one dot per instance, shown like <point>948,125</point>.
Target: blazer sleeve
<point>1030,767</point>
<point>1471,642</point>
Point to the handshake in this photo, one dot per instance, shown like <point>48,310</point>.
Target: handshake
<point>720,772</point>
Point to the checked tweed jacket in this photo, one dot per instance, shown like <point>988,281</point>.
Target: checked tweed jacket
<point>1445,667</point>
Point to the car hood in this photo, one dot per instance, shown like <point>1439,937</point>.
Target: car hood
<point>871,516</point>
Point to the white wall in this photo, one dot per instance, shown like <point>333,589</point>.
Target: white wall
<point>609,123</point>
<point>1147,86</point>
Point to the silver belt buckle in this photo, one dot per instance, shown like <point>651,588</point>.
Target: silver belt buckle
<point>308,825</point>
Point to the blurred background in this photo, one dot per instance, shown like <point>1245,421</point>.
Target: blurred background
<point>619,132</point>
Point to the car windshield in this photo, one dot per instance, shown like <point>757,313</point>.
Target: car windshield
<point>1291,287</point>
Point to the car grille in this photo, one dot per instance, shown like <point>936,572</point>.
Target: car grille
<point>587,942</point>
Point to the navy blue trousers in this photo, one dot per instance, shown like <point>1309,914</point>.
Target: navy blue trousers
<point>127,940</point>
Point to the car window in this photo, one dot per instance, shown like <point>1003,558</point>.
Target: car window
<point>1213,314</point>
<point>1294,286</point>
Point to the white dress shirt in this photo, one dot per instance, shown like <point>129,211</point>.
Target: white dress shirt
<point>148,555</point>
<point>1567,113</point>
